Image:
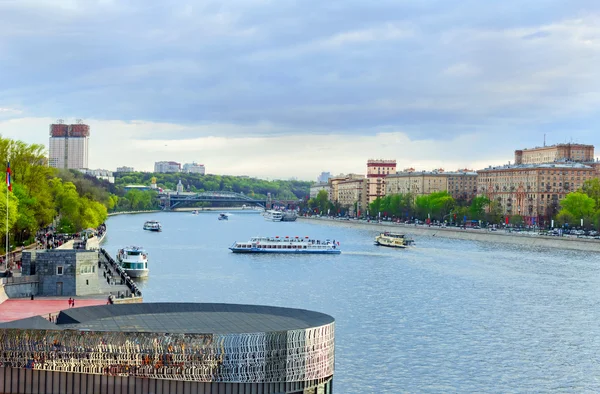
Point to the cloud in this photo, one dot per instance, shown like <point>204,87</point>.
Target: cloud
<point>290,71</point>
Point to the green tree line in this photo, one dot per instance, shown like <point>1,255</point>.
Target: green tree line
<point>41,194</point>
<point>252,187</point>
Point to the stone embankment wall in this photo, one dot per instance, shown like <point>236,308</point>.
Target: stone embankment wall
<point>500,236</point>
<point>19,287</point>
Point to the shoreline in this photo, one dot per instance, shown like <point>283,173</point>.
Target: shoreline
<point>588,245</point>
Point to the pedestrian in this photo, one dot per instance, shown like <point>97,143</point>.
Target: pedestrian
<point>73,303</point>
<point>70,301</point>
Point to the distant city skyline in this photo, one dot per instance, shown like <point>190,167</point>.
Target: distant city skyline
<point>271,90</point>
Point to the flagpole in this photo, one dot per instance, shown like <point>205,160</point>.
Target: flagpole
<point>7,184</point>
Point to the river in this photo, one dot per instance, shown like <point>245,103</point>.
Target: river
<point>445,316</point>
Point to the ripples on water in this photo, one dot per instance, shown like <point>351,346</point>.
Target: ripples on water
<point>446,316</point>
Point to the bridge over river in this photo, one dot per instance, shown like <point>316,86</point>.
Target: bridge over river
<point>171,200</point>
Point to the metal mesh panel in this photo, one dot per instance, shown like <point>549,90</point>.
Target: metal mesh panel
<point>286,356</point>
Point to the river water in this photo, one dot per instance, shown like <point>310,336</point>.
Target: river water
<point>445,316</point>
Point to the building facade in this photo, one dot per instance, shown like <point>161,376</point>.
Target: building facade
<point>317,187</point>
<point>324,177</point>
<point>532,191</point>
<point>69,146</point>
<point>125,169</point>
<point>377,171</point>
<point>461,184</point>
<point>167,166</point>
<point>194,168</point>
<point>555,153</point>
<point>104,175</point>
<point>352,195</point>
<point>336,180</point>
<point>63,272</point>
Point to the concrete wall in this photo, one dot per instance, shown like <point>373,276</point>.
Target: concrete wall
<point>79,271</point>
<point>499,236</point>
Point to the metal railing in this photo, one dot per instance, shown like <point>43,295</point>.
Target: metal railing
<point>135,292</point>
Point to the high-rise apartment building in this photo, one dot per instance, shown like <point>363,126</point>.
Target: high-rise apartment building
<point>125,169</point>
<point>69,146</point>
<point>377,170</point>
<point>324,177</point>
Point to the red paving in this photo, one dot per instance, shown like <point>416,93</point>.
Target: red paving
<point>16,309</point>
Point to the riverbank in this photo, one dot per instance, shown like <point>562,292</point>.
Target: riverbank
<point>501,236</point>
<point>132,212</point>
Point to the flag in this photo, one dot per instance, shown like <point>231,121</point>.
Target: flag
<point>8,183</point>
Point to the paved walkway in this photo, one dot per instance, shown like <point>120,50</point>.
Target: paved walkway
<point>15,309</point>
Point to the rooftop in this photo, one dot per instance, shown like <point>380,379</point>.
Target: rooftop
<point>532,166</point>
<point>189,318</point>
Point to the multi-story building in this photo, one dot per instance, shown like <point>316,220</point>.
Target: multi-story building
<point>555,153</point>
<point>532,191</point>
<point>167,166</point>
<point>352,195</point>
<point>324,177</point>
<point>377,170</point>
<point>125,169</point>
<point>105,175</point>
<point>69,145</point>
<point>461,184</point>
<point>194,168</point>
<point>317,187</point>
<point>335,181</point>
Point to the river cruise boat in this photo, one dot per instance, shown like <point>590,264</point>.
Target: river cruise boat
<point>273,216</point>
<point>394,240</point>
<point>293,245</point>
<point>223,216</point>
<point>134,261</point>
<point>152,225</point>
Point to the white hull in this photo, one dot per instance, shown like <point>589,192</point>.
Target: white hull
<point>137,273</point>
<point>286,245</point>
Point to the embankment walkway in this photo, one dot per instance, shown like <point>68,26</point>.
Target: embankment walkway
<point>500,236</point>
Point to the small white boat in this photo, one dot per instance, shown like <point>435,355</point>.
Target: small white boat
<point>223,216</point>
<point>152,225</point>
<point>294,245</point>
<point>273,216</point>
<point>195,212</point>
<point>394,240</point>
<point>134,261</point>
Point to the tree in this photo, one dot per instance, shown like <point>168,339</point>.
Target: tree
<point>579,205</point>
<point>477,208</point>
<point>13,211</point>
<point>591,188</point>
<point>322,201</point>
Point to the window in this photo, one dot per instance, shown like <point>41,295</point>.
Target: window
<point>59,270</point>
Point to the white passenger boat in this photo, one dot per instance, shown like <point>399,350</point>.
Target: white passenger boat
<point>294,245</point>
<point>152,225</point>
<point>394,240</point>
<point>134,261</point>
<point>273,216</point>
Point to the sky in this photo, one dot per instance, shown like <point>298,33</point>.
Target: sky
<point>287,89</point>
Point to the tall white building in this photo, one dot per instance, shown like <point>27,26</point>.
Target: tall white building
<point>194,168</point>
<point>324,177</point>
<point>69,146</point>
<point>167,166</point>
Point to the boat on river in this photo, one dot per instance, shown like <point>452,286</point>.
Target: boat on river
<point>272,215</point>
<point>223,216</point>
<point>394,240</point>
<point>152,225</point>
<point>289,216</point>
<point>293,245</point>
<point>134,261</point>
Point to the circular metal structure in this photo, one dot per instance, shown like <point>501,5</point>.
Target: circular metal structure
<point>247,347</point>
